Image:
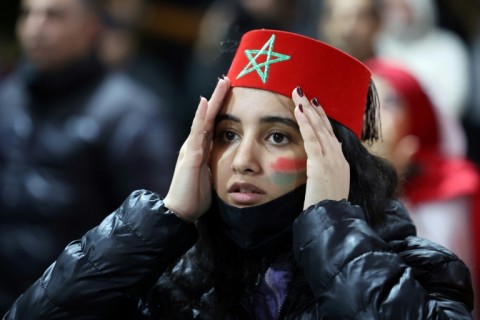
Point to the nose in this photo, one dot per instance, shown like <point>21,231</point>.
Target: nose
<point>246,158</point>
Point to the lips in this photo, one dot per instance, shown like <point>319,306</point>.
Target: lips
<point>243,187</point>
<point>245,194</point>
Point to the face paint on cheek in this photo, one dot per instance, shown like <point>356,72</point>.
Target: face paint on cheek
<point>288,171</point>
<point>289,165</point>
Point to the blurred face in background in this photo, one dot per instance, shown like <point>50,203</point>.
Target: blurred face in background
<point>396,144</point>
<point>350,25</point>
<point>55,33</point>
<point>409,19</point>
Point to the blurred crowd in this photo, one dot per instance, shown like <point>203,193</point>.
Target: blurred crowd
<point>96,97</point>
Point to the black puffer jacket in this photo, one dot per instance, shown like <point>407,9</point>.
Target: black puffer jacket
<point>352,271</point>
<point>72,147</point>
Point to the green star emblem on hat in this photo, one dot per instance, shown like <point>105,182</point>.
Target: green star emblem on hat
<point>253,55</point>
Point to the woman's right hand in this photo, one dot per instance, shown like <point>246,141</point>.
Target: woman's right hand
<point>189,195</point>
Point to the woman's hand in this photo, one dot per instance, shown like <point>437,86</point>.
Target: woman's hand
<point>189,195</point>
<point>328,172</point>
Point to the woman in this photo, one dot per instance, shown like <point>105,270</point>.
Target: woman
<point>439,185</point>
<point>295,219</point>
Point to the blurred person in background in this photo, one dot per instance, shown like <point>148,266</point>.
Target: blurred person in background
<point>351,25</point>
<point>439,186</point>
<point>75,139</point>
<point>438,58</point>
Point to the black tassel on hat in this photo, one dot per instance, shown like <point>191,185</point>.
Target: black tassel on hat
<point>371,119</point>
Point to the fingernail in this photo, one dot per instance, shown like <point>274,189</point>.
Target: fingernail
<point>300,107</point>
<point>223,76</point>
<point>299,91</point>
<point>315,102</point>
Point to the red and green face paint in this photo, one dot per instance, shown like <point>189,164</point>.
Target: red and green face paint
<point>288,171</point>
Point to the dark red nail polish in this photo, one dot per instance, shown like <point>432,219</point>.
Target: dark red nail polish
<point>315,102</point>
<point>300,107</point>
<point>299,91</point>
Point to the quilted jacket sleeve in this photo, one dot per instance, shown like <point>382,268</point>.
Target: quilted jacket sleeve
<point>102,275</point>
<point>355,274</point>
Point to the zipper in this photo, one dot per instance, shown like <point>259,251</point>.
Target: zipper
<point>263,274</point>
<point>277,293</point>
<point>280,313</point>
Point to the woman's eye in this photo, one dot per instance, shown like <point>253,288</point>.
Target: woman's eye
<point>278,138</point>
<point>229,136</point>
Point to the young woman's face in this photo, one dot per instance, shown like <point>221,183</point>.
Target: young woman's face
<point>258,152</point>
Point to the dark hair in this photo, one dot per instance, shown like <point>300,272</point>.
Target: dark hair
<point>215,262</point>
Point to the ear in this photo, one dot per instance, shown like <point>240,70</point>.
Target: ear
<point>404,151</point>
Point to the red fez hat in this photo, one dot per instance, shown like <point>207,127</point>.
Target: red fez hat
<point>278,61</point>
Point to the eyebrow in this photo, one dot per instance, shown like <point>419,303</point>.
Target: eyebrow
<point>269,119</point>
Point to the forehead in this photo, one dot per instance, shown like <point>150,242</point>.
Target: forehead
<point>249,103</point>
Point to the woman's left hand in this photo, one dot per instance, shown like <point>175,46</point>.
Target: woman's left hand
<point>328,172</point>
